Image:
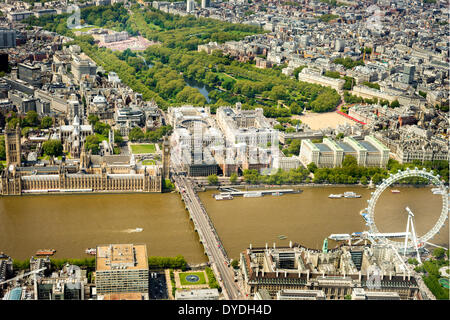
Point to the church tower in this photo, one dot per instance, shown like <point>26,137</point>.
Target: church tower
<point>85,158</point>
<point>166,158</point>
<point>111,141</point>
<point>12,146</point>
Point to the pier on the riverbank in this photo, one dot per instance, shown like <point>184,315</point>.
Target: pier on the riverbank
<point>237,193</point>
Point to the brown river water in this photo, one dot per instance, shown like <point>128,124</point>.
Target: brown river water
<point>72,223</point>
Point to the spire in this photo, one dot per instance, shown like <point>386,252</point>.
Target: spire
<point>76,121</point>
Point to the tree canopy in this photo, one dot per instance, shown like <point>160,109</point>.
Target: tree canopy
<point>52,148</point>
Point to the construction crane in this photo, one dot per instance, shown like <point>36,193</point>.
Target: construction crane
<point>23,275</point>
<point>34,272</point>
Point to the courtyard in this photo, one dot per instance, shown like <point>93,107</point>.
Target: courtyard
<point>191,280</point>
<point>143,148</point>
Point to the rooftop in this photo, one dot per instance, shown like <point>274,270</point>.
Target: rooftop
<point>322,147</point>
<point>346,147</point>
<point>121,256</point>
<point>368,146</point>
<point>123,296</point>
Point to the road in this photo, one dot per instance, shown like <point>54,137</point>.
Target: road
<point>220,263</point>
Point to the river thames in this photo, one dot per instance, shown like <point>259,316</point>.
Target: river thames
<point>72,223</point>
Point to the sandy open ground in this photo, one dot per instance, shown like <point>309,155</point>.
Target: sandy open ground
<point>323,120</point>
<point>134,43</point>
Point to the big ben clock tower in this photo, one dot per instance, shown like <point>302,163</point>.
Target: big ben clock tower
<point>166,158</point>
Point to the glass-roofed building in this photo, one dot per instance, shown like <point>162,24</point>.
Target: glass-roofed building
<point>15,294</point>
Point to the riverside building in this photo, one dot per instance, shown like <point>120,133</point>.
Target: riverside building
<point>329,154</point>
<point>122,268</point>
<point>290,272</point>
<point>92,173</point>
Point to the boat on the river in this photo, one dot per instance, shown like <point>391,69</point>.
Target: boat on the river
<point>277,193</point>
<point>91,251</point>
<point>223,197</point>
<point>282,237</point>
<point>395,191</point>
<point>351,194</point>
<point>335,196</point>
<point>45,252</point>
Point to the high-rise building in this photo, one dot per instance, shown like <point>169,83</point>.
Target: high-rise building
<point>7,38</point>
<point>121,268</point>
<point>205,4</point>
<point>190,6</point>
<point>407,75</point>
<point>4,62</point>
<point>30,73</point>
<point>339,45</point>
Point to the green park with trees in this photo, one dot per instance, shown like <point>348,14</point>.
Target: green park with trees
<point>431,274</point>
<point>175,60</point>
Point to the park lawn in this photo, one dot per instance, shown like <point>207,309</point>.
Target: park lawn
<point>84,29</point>
<point>184,282</point>
<point>143,148</point>
<point>222,76</point>
<point>148,162</point>
<point>153,26</point>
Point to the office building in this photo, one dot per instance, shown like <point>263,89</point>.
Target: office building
<point>30,74</point>
<point>81,68</point>
<point>121,268</point>
<point>329,154</point>
<point>205,4</point>
<point>297,272</point>
<point>190,6</point>
<point>7,38</point>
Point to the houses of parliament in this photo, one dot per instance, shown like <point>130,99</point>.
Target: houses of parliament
<point>92,173</point>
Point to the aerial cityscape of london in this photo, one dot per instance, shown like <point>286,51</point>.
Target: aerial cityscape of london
<point>224,150</point>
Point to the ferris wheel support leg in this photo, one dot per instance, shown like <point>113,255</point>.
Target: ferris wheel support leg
<point>415,241</point>
<point>406,237</point>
